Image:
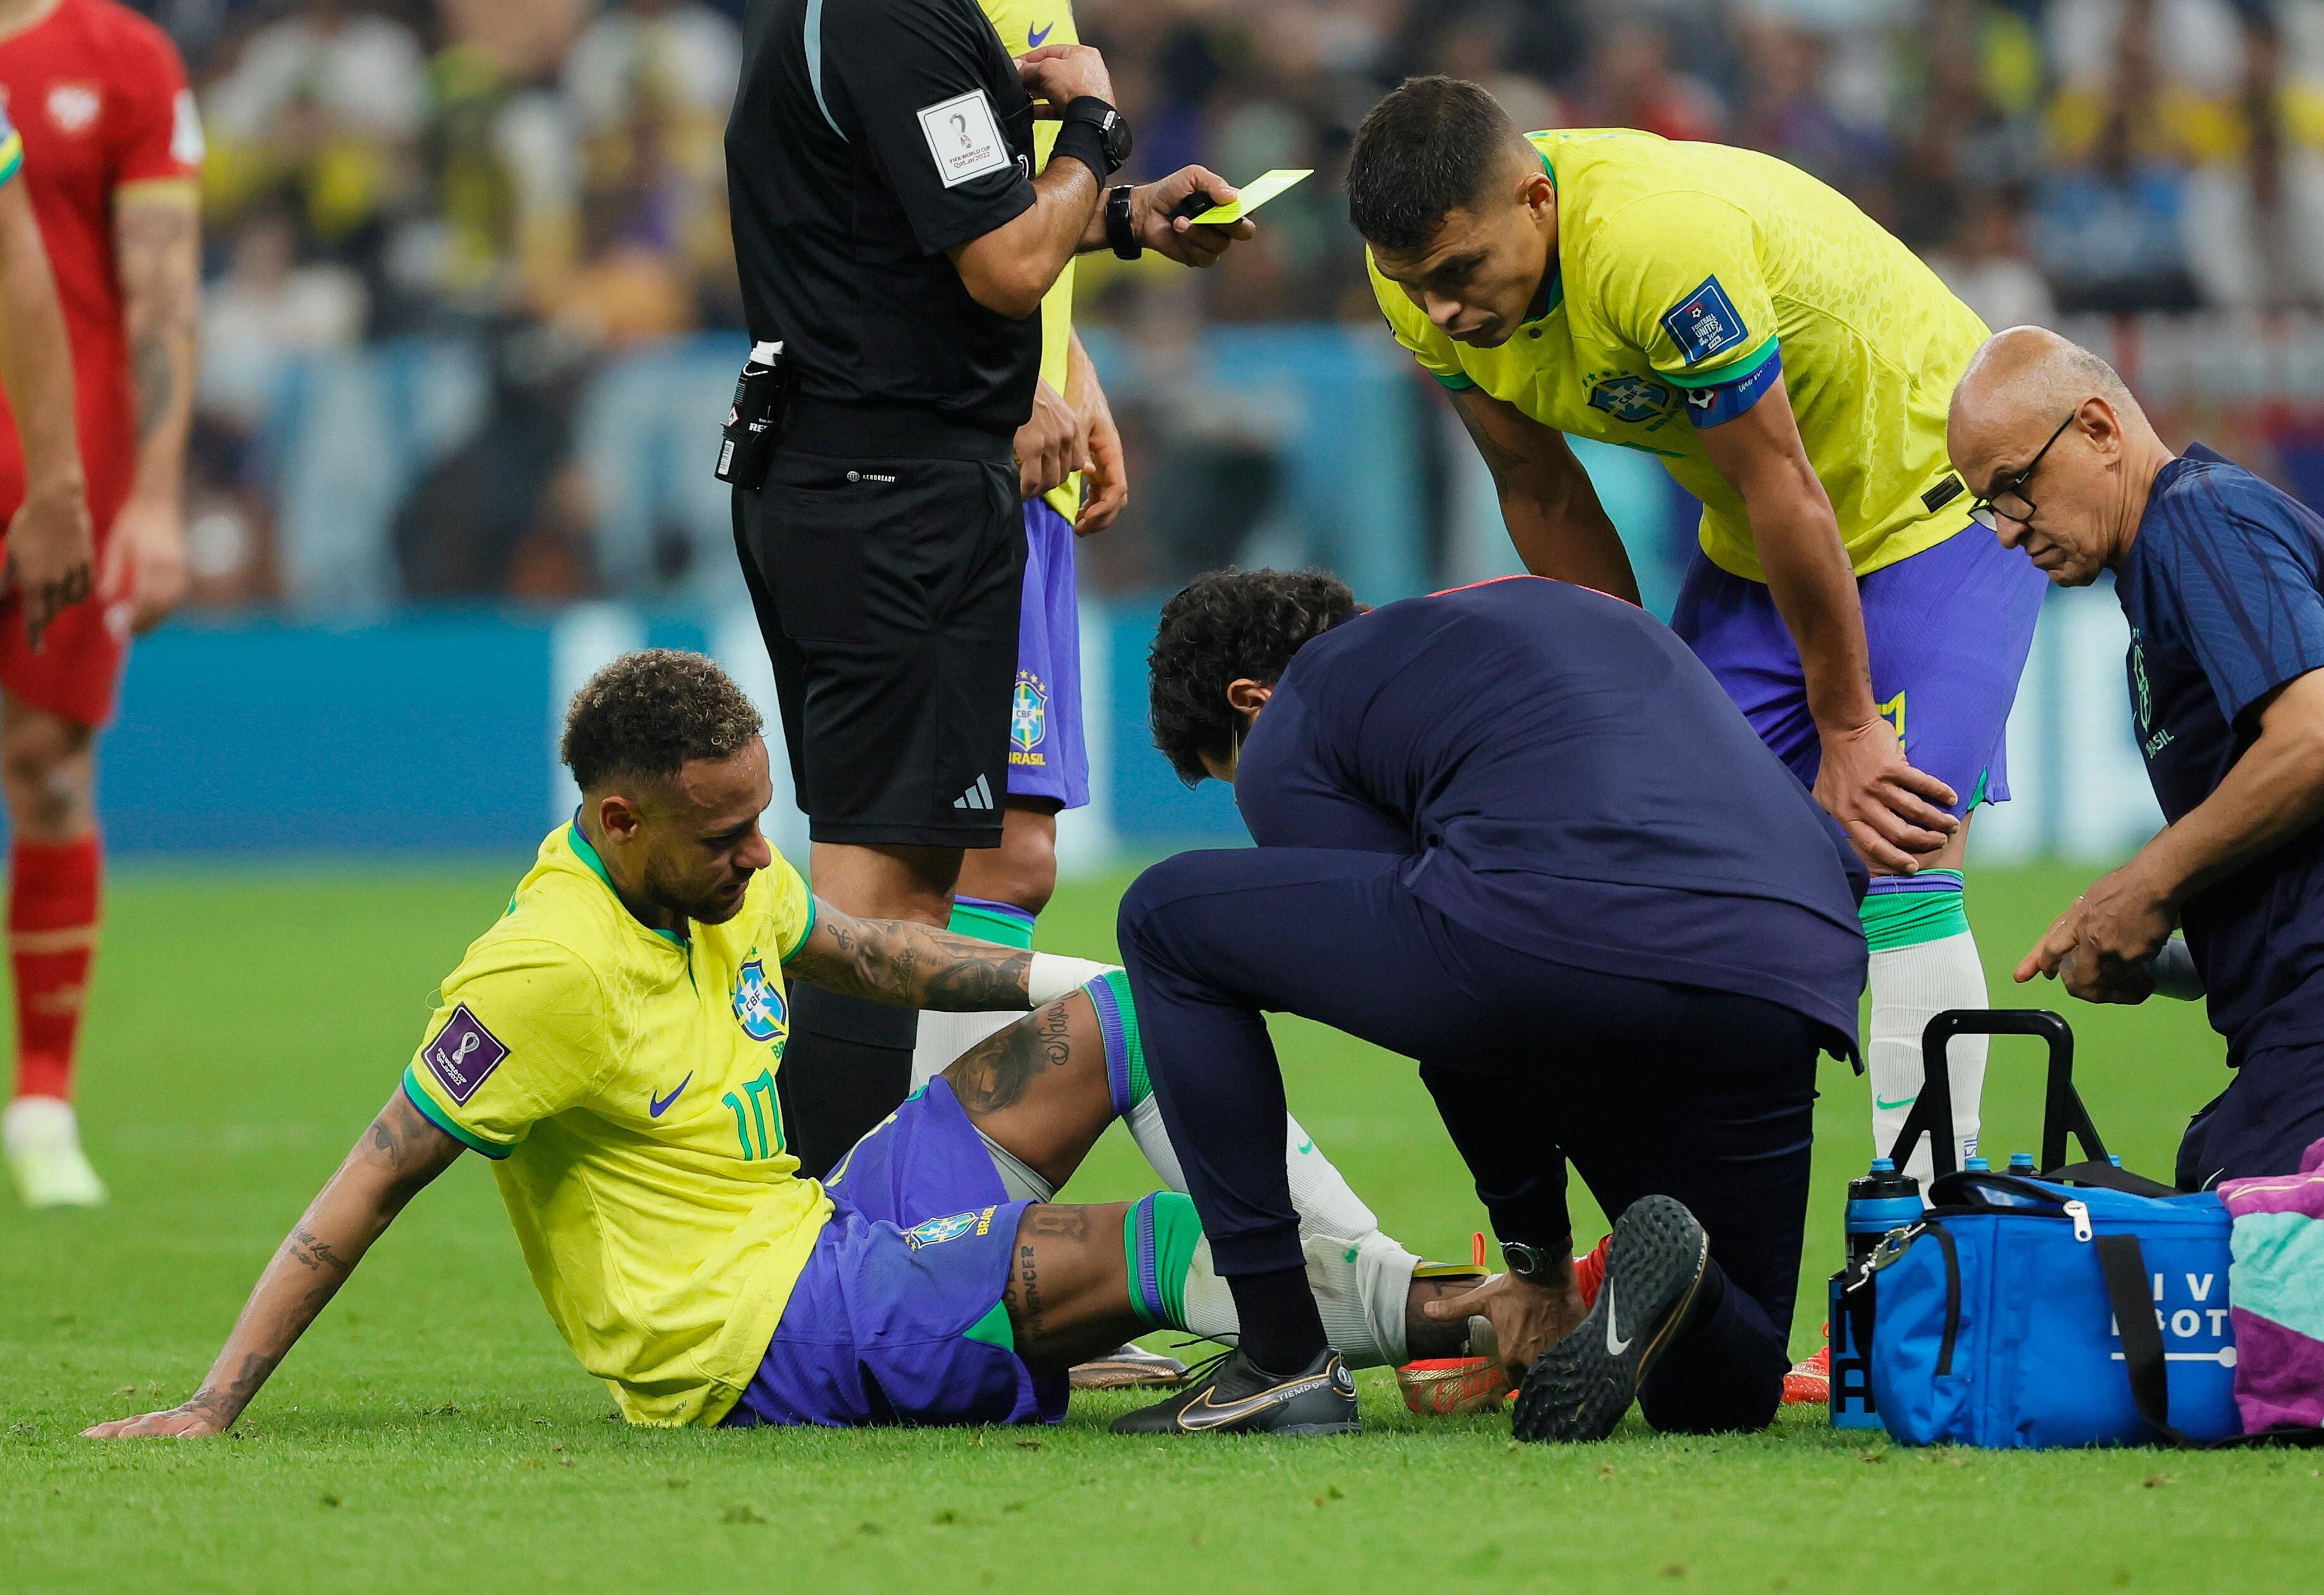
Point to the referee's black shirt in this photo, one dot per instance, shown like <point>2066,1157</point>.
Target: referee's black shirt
<point>870,136</point>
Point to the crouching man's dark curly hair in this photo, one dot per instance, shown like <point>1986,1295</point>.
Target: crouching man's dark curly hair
<point>1226,627</point>
<point>644,716</point>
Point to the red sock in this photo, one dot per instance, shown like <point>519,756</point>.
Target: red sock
<point>51,936</point>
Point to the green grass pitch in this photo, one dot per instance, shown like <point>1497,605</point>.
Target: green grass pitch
<point>245,1026</point>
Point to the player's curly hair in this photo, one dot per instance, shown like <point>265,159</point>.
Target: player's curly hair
<point>1225,627</point>
<point>647,713</point>
<point>1426,150</point>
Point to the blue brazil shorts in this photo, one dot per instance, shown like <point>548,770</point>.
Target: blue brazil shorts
<point>1047,756</point>
<point>899,1317</point>
<point>1947,631</point>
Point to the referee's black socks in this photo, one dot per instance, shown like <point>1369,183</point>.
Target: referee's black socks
<point>847,1065</point>
<point>1282,1331</point>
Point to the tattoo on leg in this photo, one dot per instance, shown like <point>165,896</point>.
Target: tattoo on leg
<point>999,1070</point>
<point>1068,1220</point>
<point>1028,1294</point>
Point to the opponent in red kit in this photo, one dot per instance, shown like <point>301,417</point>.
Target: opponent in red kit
<point>112,151</point>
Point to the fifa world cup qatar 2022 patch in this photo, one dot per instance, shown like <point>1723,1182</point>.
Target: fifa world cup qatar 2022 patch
<point>463,1053</point>
<point>965,138</point>
<point>1705,323</point>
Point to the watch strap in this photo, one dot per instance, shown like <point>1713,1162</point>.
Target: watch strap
<point>1120,224</point>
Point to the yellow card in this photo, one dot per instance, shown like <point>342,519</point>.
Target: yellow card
<point>1255,193</point>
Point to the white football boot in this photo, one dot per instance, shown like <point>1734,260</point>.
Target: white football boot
<point>42,1142</point>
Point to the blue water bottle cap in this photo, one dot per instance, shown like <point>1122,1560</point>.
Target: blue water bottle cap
<point>1977,1166</point>
<point>2114,1159</point>
<point>1884,1166</point>
<point>2021,1161</point>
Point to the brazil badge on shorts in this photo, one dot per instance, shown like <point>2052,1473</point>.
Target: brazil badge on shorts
<point>759,1006</point>
<point>952,1227</point>
<point>1028,720</point>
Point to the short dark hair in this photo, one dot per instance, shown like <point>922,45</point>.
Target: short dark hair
<point>1222,628</point>
<point>644,716</point>
<point>1427,150</point>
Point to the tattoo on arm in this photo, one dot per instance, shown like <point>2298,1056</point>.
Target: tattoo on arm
<point>1000,1069</point>
<point>1499,458</point>
<point>909,965</point>
<point>158,244</point>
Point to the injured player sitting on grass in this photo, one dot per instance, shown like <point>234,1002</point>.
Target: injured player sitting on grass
<point>610,1045</point>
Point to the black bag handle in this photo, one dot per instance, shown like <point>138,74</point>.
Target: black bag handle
<point>2124,1266</point>
<point>2062,1111</point>
<point>2105,1176</point>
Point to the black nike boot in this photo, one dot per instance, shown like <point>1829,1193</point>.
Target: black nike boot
<point>1241,1398</point>
<point>1581,1386</point>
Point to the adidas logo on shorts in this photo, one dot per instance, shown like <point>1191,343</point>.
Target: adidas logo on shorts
<point>979,796</point>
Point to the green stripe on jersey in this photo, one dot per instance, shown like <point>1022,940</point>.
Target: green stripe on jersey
<point>433,1112</point>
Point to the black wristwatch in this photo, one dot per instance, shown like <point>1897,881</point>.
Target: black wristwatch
<point>1120,228</point>
<point>1112,132</point>
<point>1528,1263</point>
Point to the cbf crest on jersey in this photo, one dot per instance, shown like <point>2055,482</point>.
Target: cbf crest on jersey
<point>951,1227</point>
<point>759,1003</point>
<point>1028,713</point>
<point>1705,323</point>
<point>1630,398</point>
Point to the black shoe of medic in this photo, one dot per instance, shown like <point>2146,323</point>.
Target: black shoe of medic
<point>1581,1386</point>
<point>1239,1398</point>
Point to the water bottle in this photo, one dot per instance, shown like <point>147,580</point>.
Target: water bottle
<point>2023,1163</point>
<point>1878,1201</point>
<point>746,444</point>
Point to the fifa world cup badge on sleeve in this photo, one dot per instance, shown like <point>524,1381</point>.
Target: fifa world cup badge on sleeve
<point>1705,323</point>
<point>463,1053</point>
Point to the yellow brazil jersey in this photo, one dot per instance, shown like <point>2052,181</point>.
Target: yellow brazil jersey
<point>622,1080</point>
<point>1023,25</point>
<point>1687,275</point>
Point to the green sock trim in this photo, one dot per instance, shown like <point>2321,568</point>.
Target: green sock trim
<point>993,1329</point>
<point>1126,1052</point>
<point>1893,919</point>
<point>1012,927</point>
<point>1159,1234</point>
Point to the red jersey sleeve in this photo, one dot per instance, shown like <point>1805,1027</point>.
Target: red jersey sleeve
<point>159,133</point>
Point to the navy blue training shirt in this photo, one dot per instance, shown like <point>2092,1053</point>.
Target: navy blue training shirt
<point>1569,779</point>
<point>2224,589</point>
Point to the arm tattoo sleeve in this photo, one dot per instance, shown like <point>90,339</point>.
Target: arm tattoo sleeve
<point>910,965</point>
<point>159,247</point>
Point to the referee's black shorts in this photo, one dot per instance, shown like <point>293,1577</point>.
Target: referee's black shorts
<point>888,590</point>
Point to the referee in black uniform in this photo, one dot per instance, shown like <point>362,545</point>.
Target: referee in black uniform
<point>892,238</point>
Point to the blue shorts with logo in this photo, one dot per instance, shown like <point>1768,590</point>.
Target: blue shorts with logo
<point>1046,755</point>
<point>1947,631</point>
<point>899,1317</point>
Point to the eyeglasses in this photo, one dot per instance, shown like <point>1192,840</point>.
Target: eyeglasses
<point>2008,501</point>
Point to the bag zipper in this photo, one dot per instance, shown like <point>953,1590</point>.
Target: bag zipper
<point>2080,1211</point>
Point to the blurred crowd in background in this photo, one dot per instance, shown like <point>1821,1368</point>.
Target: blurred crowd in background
<point>541,182</point>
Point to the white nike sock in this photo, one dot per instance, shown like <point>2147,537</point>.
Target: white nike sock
<point>1327,1204</point>
<point>1361,1288</point>
<point>1911,986</point>
<point>944,1037</point>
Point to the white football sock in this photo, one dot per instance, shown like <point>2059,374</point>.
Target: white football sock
<point>1910,987</point>
<point>944,1037</point>
<point>1361,1288</point>
<point>1327,1204</point>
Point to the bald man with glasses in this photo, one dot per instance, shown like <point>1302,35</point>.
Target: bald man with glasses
<point>2222,579</point>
